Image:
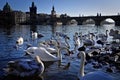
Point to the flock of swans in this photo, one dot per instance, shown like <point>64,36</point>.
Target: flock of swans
<point>93,48</point>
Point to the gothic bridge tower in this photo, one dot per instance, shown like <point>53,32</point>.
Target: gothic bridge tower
<point>33,13</point>
<point>53,16</point>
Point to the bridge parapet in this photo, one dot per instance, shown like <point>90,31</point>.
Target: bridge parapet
<point>97,19</point>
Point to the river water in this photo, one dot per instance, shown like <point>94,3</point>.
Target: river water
<point>8,52</point>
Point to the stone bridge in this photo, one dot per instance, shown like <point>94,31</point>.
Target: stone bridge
<point>96,19</point>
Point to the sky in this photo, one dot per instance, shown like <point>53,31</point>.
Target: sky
<point>70,7</point>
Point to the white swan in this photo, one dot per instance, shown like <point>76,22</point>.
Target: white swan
<point>103,37</point>
<point>90,41</point>
<point>34,35</point>
<point>48,48</point>
<point>25,67</point>
<point>19,41</point>
<point>64,44</point>
<point>76,40</point>
<point>97,75</point>
<point>115,34</point>
<point>60,34</point>
<point>42,52</point>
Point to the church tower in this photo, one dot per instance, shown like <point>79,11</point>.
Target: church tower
<point>53,12</point>
<point>33,12</point>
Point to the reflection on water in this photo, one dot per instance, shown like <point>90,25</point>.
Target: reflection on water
<point>70,66</point>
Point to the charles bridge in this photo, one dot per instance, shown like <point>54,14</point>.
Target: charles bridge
<point>97,19</point>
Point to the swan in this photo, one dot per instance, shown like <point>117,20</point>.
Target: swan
<point>64,44</point>
<point>25,67</point>
<point>113,32</point>
<point>42,52</point>
<point>19,41</point>
<point>97,75</point>
<point>60,34</point>
<point>103,37</point>
<point>76,41</point>
<point>65,37</point>
<point>48,48</point>
<point>90,41</point>
<point>34,35</point>
<point>100,42</point>
<point>116,37</point>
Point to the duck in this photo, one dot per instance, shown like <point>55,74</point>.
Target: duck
<point>96,75</point>
<point>24,68</point>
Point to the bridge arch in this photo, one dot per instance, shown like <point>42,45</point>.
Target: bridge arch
<point>97,20</point>
<point>107,21</point>
<point>88,21</point>
<point>72,21</point>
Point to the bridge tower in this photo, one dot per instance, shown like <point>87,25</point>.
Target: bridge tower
<point>33,13</point>
<point>53,16</point>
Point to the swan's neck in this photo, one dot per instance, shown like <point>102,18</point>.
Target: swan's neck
<point>92,37</point>
<point>59,55</point>
<point>58,51</point>
<point>106,33</point>
<point>82,53</point>
<point>66,41</point>
<point>37,58</point>
<point>80,35</point>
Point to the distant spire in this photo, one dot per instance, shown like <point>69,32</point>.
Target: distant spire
<point>53,9</point>
<point>33,4</point>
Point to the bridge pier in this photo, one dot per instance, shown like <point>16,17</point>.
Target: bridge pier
<point>117,23</point>
<point>97,23</point>
<point>79,22</point>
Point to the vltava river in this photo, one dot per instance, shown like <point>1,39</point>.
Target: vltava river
<point>8,52</point>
